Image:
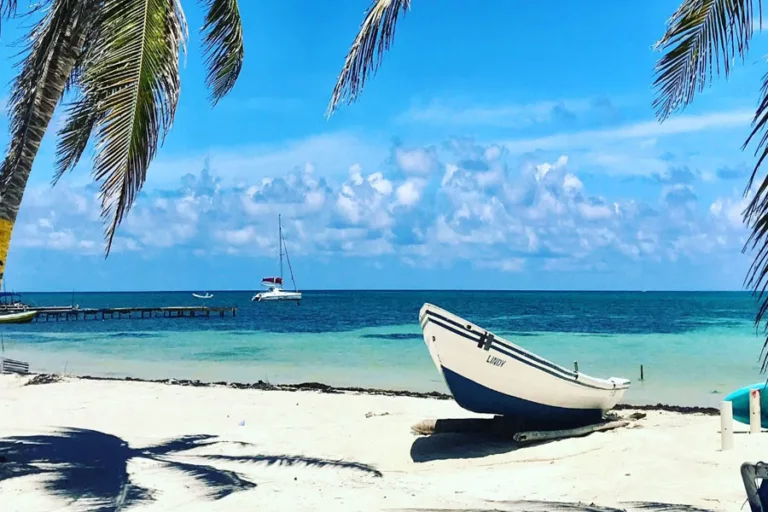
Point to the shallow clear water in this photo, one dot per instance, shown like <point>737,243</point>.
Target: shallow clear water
<point>695,347</point>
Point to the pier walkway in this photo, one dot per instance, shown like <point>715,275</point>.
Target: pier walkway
<point>60,313</point>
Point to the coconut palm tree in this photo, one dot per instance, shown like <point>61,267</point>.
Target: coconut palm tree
<point>703,38</point>
<point>117,61</point>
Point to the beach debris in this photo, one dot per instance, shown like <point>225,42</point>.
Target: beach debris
<point>682,409</point>
<point>508,428</point>
<point>13,366</point>
<point>44,378</point>
<point>372,414</point>
<point>637,415</point>
<point>537,436</point>
<point>242,423</point>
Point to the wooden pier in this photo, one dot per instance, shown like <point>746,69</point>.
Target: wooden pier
<point>57,314</point>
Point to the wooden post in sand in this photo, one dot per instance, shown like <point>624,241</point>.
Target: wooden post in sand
<point>726,425</point>
<point>754,411</point>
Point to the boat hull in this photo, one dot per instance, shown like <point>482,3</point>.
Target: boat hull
<point>490,375</point>
<point>740,401</point>
<point>272,296</point>
<point>17,318</point>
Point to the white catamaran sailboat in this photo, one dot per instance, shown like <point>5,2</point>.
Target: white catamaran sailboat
<point>274,285</point>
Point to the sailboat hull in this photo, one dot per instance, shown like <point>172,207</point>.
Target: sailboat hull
<point>275,295</point>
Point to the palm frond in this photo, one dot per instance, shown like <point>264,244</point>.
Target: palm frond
<point>702,38</point>
<point>756,217</point>
<point>74,136</point>
<point>55,42</point>
<point>223,46</point>
<point>8,8</point>
<point>371,43</point>
<point>134,81</point>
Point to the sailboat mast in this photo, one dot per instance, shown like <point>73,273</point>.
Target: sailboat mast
<point>280,242</point>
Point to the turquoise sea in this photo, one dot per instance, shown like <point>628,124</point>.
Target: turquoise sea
<point>695,347</point>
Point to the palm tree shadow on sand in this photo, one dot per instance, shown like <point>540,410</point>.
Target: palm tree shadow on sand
<point>93,465</point>
<point>564,506</point>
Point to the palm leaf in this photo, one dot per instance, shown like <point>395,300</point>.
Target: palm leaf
<point>223,46</point>
<point>756,217</point>
<point>55,44</point>
<point>364,58</point>
<point>702,37</point>
<point>8,8</point>
<point>133,80</point>
<point>74,136</point>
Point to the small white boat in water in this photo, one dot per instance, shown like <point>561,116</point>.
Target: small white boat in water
<point>200,296</point>
<point>488,374</point>
<point>274,285</point>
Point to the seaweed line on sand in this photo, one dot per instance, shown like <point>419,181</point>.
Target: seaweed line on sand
<point>47,378</point>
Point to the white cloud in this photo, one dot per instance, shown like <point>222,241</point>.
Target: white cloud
<point>329,153</point>
<point>638,130</point>
<point>482,209</point>
<point>416,161</point>
<point>459,113</point>
<point>409,192</point>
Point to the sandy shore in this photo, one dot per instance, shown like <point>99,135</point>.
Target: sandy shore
<point>151,447</point>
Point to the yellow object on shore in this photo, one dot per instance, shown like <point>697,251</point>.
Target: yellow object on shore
<point>6,228</point>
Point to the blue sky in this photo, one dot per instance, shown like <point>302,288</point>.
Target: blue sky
<point>504,146</point>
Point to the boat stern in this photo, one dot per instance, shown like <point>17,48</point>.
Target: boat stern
<point>621,385</point>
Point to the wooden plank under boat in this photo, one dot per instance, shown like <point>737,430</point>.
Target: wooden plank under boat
<point>22,317</point>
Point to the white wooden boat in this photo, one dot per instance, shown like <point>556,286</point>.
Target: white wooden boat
<point>21,317</point>
<point>203,296</point>
<point>488,374</point>
<point>274,285</point>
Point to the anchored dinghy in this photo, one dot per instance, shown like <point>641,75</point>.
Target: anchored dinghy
<point>488,374</point>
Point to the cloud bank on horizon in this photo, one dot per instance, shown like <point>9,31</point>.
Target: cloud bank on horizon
<point>439,205</point>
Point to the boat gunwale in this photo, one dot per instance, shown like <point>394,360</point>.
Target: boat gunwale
<point>533,360</point>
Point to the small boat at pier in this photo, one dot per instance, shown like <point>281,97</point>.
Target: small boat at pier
<point>488,374</point>
<point>21,317</point>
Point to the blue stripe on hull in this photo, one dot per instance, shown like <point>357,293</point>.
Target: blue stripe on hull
<point>480,399</point>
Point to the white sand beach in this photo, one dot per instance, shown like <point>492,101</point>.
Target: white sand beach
<point>151,447</point>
